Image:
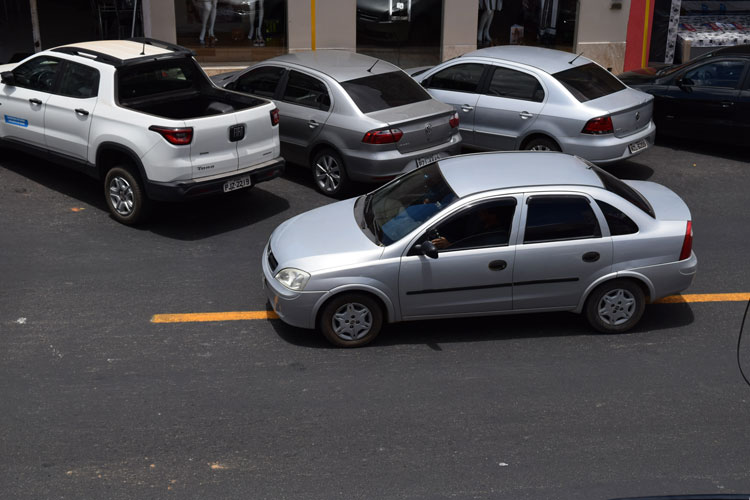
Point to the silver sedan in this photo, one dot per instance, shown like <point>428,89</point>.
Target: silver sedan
<point>350,116</point>
<point>482,234</point>
<point>518,97</point>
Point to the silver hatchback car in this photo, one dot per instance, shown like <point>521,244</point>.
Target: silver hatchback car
<point>481,234</point>
<point>518,97</point>
<point>350,116</point>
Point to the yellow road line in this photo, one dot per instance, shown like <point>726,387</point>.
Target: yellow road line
<point>250,315</point>
<point>312,25</point>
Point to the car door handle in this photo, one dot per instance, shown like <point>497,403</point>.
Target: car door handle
<point>313,124</point>
<point>498,265</point>
<point>82,111</point>
<point>590,257</point>
<point>35,101</point>
<point>525,115</point>
<point>466,108</point>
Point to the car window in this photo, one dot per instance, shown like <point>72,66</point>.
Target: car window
<point>618,222</point>
<point>38,74</point>
<point>158,77</point>
<point>589,81</point>
<point>515,85</point>
<point>459,77</point>
<point>563,217</point>
<point>484,225</point>
<point>383,91</point>
<point>260,81</point>
<point>621,189</point>
<point>79,81</point>
<point>306,91</point>
<point>725,74</point>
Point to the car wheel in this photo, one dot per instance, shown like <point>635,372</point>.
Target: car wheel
<point>541,144</point>
<point>125,196</point>
<point>615,306</point>
<point>351,320</point>
<point>329,173</point>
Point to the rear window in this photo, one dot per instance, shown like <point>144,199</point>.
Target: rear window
<point>145,80</point>
<point>616,186</point>
<point>589,81</point>
<point>383,91</point>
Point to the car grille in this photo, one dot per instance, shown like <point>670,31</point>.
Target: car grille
<point>272,262</point>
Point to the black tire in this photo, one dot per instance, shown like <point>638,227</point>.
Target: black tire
<point>541,144</point>
<point>345,318</point>
<point>125,196</point>
<point>615,306</point>
<point>329,173</point>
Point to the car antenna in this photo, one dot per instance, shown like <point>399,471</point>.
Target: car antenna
<point>576,57</point>
<point>143,50</point>
<point>373,65</point>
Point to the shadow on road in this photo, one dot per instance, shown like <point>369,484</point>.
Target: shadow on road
<point>735,152</point>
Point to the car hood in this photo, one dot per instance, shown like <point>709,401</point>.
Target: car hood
<point>223,78</point>
<point>7,67</point>
<point>640,76</point>
<point>323,238</point>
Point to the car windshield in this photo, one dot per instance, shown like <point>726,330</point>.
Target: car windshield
<point>383,91</point>
<point>589,81</point>
<point>401,206</point>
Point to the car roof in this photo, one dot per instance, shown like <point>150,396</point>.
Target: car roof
<point>548,60</point>
<point>124,52</point>
<point>474,173</point>
<point>341,65</point>
<point>733,50</point>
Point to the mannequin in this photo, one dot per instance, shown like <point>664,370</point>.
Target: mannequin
<point>207,11</point>
<point>256,32</point>
<point>488,8</point>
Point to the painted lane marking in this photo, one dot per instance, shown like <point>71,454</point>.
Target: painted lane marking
<point>251,315</point>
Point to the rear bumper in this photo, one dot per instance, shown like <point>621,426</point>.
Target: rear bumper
<point>607,149</point>
<point>181,190</point>
<point>670,278</point>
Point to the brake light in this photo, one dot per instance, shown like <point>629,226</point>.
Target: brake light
<point>598,126</point>
<point>454,120</point>
<point>386,136</point>
<point>687,244</point>
<point>275,116</point>
<point>176,136</point>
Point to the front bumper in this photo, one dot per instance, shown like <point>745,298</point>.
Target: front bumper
<point>181,190</point>
<point>606,149</point>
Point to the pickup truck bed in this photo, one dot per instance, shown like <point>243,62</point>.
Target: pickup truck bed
<point>185,105</point>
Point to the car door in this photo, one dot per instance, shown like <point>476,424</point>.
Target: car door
<point>472,273</point>
<point>24,103</point>
<point>70,110</point>
<point>507,108</point>
<point>561,251</point>
<point>304,106</point>
<point>458,85</point>
<point>742,108</point>
<point>700,103</point>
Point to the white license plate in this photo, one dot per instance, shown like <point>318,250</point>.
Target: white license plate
<point>421,162</point>
<point>638,146</point>
<point>238,183</point>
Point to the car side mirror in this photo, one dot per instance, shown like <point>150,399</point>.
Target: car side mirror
<point>8,78</point>
<point>230,85</point>
<point>427,248</point>
<point>685,84</point>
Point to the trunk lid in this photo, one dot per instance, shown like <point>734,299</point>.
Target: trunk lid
<point>630,110</point>
<point>425,124</point>
<point>211,151</point>
<point>261,140</point>
<point>666,203</point>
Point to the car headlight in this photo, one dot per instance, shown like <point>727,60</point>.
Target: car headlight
<point>293,279</point>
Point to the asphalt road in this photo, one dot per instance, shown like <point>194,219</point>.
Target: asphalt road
<point>98,402</point>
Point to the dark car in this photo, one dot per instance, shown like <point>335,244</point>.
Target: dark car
<point>706,98</point>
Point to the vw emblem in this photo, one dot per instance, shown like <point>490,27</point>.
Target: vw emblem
<point>637,115</point>
<point>428,130</point>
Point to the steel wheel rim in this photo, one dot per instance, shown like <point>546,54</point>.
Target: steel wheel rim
<point>121,196</point>
<point>352,321</point>
<point>540,147</point>
<point>328,173</point>
<point>617,307</point>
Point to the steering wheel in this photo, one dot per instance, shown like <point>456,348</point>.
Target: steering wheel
<point>43,80</point>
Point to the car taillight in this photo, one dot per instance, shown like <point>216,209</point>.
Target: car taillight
<point>275,116</point>
<point>176,136</point>
<point>687,244</point>
<point>454,120</point>
<point>386,136</point>
<point>598,126</point>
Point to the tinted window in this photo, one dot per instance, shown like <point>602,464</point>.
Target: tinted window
<point>383,91</point>
<point>515,85</point>
<point>589,81</point>
<point>38,74</point>
<point>616,186</point>
<point>459,77</point>
<point>306,91</point>
<point>484,225</point>
<point>155,78</point>
<point>261,81</point>
<point>79,81</point>
<point>553,218</point>
<point>618,222</point>
<point>716,74</point>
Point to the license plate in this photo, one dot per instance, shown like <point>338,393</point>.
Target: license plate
<point>638,146</point>
<point>421,162</point>
<point>238,183</point>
